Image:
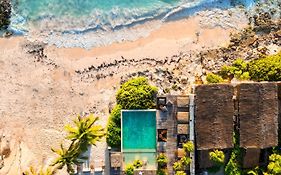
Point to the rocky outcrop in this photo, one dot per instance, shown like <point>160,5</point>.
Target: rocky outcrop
<point>263,37</point>
<point>5,13</point>
<point>36,49</point>
<point>249,44</point>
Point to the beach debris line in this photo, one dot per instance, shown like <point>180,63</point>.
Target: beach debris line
<point>36,49</point>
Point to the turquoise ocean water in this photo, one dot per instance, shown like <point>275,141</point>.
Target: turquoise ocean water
<point>60,19</point>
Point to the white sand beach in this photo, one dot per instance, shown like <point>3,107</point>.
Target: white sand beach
<point>41,93</point>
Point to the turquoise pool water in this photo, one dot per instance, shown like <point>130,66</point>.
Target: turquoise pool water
<point>139,130</point>
<point>149,159</point>
<point>139,137</point>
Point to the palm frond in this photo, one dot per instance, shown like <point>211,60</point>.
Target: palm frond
<point>40,171</point>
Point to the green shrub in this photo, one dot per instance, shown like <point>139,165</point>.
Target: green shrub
<point>115,115</point>
<point>233,167</point>
<point>213,78</point>
<point>188,146</point>
<point>256,171</point>
<point>137,164</point>
<point>217,157</point>
<point>251,172</point>
<point>136,94</point>
<point>245,76</point>
<point>129,170</point>
<point>180,173</point>
<point>177,166</point>
<point>162,171</point>
<point>263,69</point>
<point>113,137</point>
<point>239,65</point>
<point>274,166</point>
<point>162,160</point>
<point>238,69</point>
<point>266,69</point>
<point>185,161</point>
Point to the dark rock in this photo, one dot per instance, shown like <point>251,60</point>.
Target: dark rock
<point>5,13</point>
<point>7,34</point>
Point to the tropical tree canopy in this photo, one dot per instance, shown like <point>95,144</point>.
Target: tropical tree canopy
<point>66,157</point>
<point>85,132</point>
<point>136,93</point>
<point>41,171</point>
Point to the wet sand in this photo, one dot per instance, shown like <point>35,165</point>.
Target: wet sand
<point>41,94</point>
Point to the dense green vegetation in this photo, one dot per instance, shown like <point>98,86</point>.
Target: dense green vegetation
<point>162,161</point>
<point>180,173</point>
<point>238,70</point>
<point>136,93</point>
<point>137,164</point>
<point>217,157</point>
<point>188,147</point>
<point>181,165</point>
<point>130,168</point>
<point>267,68</point>
<point>113,136</point>
<point>234,167</point>
<point>84,133</point>
<point>273,168</point>
<point>213,78</point>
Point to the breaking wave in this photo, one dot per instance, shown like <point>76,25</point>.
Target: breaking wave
<point>58,22</point>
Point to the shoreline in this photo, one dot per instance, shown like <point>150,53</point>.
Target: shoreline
<point>57,32</point>
<point>43,86</point>
<point>192,33</point>
<point>172,38</point>
<point>45,83</point>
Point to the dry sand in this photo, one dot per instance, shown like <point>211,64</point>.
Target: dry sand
<point>38,98</point>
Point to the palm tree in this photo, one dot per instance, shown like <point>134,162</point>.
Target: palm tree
<point>41,171</point>
<point>85,133</point>
<point>66,157</point>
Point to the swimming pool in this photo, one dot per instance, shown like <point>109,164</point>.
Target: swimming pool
<point>139,137</point>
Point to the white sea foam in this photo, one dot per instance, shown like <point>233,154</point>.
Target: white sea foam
<point>105,27</point>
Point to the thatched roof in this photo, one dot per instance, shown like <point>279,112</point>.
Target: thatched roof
<point>214,110</point>
<point>258,114</point>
